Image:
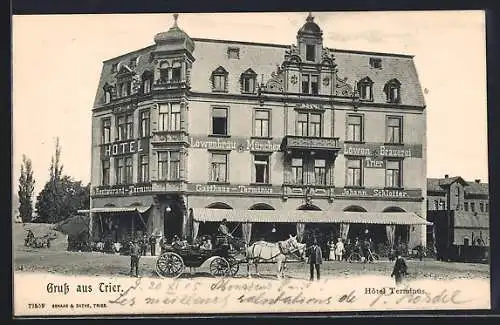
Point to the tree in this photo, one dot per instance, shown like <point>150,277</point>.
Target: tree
<point>56,203</point>
<point>61,196</point>
<point>26,188</point>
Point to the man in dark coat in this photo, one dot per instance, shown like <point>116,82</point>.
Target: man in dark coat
<point>400,269</point>
<point>315,259</point>
<point>135,255</point>
<point>152,243</point>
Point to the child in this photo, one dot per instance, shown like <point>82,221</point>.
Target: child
<point>400,269</point>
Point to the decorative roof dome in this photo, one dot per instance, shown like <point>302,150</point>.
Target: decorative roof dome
<point>175,36</point>
<point>310,27</point>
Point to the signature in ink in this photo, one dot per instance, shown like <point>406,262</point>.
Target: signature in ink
<point>444,297</point>
<point>125,298</point>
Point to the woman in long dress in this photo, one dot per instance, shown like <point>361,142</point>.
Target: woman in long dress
<point>331,248</point>
<point>339,249</point>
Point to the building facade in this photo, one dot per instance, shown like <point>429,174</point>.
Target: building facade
<point>459,211</point>
<point>277,139</point>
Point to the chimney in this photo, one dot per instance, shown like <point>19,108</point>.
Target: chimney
<point>446,176</point>
<point>477,181</point>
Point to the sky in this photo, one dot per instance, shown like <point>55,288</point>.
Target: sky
<point>57,60</point>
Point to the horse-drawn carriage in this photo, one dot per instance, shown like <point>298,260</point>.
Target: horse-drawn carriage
<point>174,259</point>
<point>224,260</point>
<point>37,242</point>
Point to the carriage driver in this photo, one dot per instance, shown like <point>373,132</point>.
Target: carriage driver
<point>224,234</point>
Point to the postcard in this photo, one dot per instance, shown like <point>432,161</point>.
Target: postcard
<point>208,163</point>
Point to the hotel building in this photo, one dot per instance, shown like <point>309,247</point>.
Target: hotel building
<point>301,139</point>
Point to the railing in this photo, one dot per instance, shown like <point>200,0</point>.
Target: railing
<point>171,137</point>
<point>310,143</point>
<point>169,186</point>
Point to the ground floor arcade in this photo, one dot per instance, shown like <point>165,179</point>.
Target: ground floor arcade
<point>163,216</point>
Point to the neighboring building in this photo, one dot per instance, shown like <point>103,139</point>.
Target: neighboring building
<point>282,138</point>
<point>459,211</point>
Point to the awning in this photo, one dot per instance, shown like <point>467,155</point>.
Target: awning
<point>305,216</point>
<point>139,209</point>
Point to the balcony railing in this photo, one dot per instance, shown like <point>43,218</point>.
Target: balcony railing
<point>291,142</point>
<point>169,186</point>
<point>170,83</point>
<point>170,137</point>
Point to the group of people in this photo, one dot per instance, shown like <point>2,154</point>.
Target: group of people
<point>336,250</point>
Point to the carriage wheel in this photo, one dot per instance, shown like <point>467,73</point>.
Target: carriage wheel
<point>355,257</point>
<point>219,267</point>
<point>169,265</point>
<point>234,266</point>
<point>375,257</point>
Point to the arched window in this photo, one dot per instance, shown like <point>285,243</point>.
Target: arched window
<point>219,205</point>
<point>393,209</point>
<point>163,68</point>
<point>261,206</point>
<point>310,207</point>
<point>176,71</point>
<point>354,208</point>
<point>219,79</point>
<point>248,81</point>
<point>365,89</point>
<point>392,91</point>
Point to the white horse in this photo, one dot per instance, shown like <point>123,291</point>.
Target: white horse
<point>262,251</point>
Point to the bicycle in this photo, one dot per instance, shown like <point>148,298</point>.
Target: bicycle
<point>357,257</point>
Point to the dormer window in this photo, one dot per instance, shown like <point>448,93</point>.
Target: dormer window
<point>310,84</point>
<point>248,81</point>
<point>365,89</point>
<point>108,91</point>
<point>219,79</point>
<point>133,62</point>
<point>176,71</point>
<point>392,91</point>
<point>124,89</point>
<point>147,81</point>
<point>114,67</point>
<point>310,52</point>
<point>376,63</point>
<point>233,53</point>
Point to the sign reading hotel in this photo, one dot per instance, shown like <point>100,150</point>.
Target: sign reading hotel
<point>122,190</point>
<point>125,147</point>
<point>234,143</point>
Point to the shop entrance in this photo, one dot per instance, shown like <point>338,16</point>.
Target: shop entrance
<point>173,218</point>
